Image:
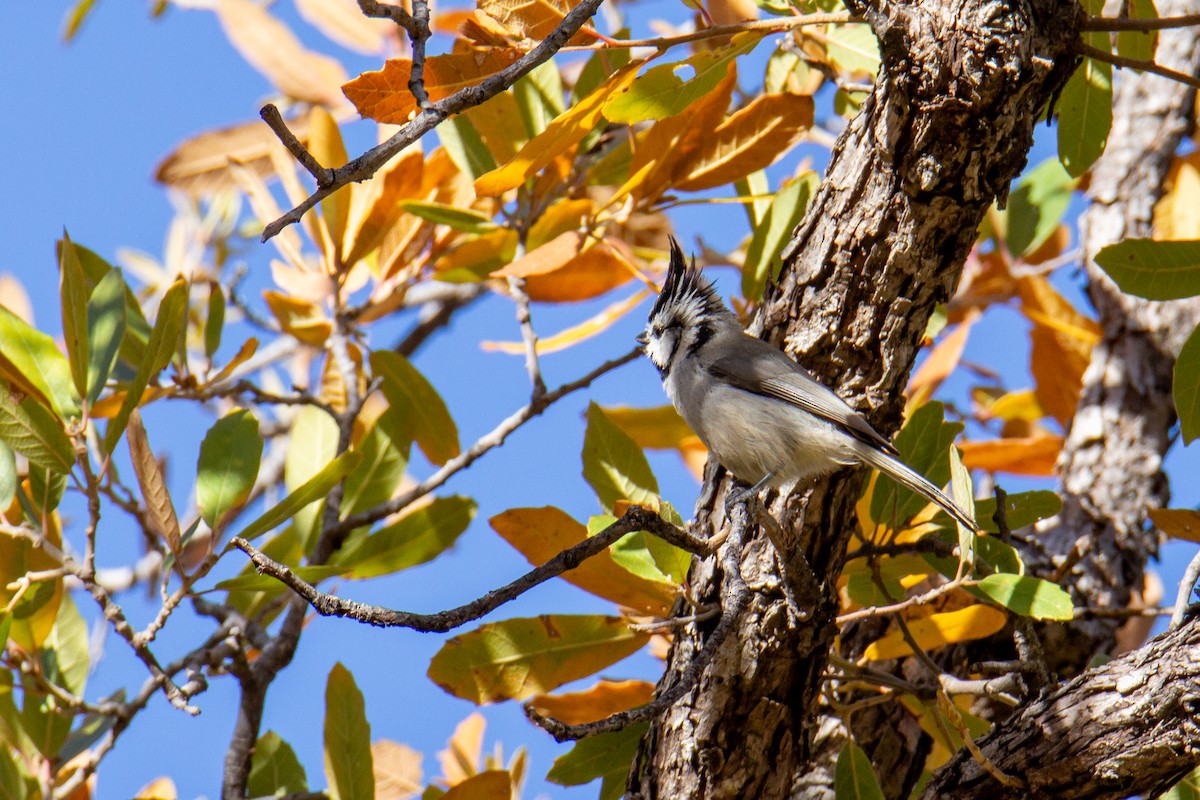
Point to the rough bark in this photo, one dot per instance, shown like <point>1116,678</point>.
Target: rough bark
<point>1111,465</point>
<point>946,129</point>
<point>1127,727</point>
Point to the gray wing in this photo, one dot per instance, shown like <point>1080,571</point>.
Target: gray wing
<point>756,366</point>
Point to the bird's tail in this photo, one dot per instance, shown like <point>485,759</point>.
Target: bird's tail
<point>909,477</point>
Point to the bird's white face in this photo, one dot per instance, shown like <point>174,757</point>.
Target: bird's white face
<point>662,342</point>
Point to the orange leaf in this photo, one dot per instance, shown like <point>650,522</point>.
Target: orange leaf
<point>748,141</point>
<point>460,759</point>
<point>1177,214</point>
<point>534,19</point>
<point>602,700</point>
<point>397,769</point>
<point>942,360</point>
<point>727,12</point>
<point>539,534</point>
<point>375,207</point>
<point>563,132</point>
<point>248,348</point>
<point>558,272</point>
<point>1035,455</point>
<point>1062,341</point>
<point>1178,523</point>
<point>272,49</point>
<point>938,630</point>
<point>302,319</point>
<point>576,333</point>
<point>383,95</point>
<point>200,165</point>
<point>495,784</point>
<point>157,789</point>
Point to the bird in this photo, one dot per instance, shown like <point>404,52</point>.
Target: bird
<point>764,417</point>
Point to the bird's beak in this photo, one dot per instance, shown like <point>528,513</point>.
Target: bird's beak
<point>642,339</point>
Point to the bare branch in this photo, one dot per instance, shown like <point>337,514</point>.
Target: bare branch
<point>1085,49</point>
<point>1162,23</point>
<point>635,519</point>
<point>270,115</point>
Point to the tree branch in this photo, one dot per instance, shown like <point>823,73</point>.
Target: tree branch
<point>1115,59</point>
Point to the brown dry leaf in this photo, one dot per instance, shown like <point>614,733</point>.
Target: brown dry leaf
<point>750,140</point>
<point>157,789</point>
<point>159,508</point>
<point>676,140</point>
<point>576,333</point>
<point>564,132</point>
<point>986,280</point>
<point>534,19</point>
<point>1178,523</point>
<point>602,700</point>
<point>539,534</point>
<point>200,165</point>
<point>1034,455</point>
<point>397,770</point>
<point>1062,340</point>
<point>344,22</point>
<point>942,360</point>
<point>271,48</point>
<point>383,95</point>
<point>937,631</point>
<point>460,759</point>
<point>1177,214</point>
<point>300,318</point>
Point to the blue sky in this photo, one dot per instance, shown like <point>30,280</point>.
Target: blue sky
<point>85,126</point>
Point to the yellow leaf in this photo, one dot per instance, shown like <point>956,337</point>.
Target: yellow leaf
<point>375,207</point>
<point>325,144</point>
<point>539,534</point>
<point>937,366</point>
<point>559,271</point>
<point>397,770</point>
<point>383,95</point>
<point>1178,523</point>
<point>748,141</point>
<point>157,498</point>
<point>1177,215</point>
<point>659,428</point>
<point>200,165</point>
<point>534,19</point>
<point>272,49</point>
<point>563,132</point>
<point>576,333</point>
<point>1062,344</point>
<point>35,612</point>
<point>248,349</point>
<point>938,630</point>
<point>494,784</point>
<point>266,209</point>
<point>499,124</point>
<point>1034,455</point>
<point>157,789</point>
<point>602,700</point>
<point>563,216</point>
<point>460,759</point>
<point>344,22</point>
<point>302,319</point>
<point>728,12</point>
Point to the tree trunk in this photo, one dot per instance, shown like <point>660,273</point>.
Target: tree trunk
<point>945,131</point>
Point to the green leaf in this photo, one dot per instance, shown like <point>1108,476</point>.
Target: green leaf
<point>613,464</point>
<point>1036,206</point>
<point>853,777</point>
<point>46,488</point>
<point>599,67</point>
<point>1186,789</point>
<point>466,148</point>
<point>313,444</point>
<point>160,349</point>
<point>459,219</point>
<point>1187,387</point>
<point>1139,45</point>
<point>414,400</point>
<point>1085,115</point>
<point>1021,509</point>
<point>228,465</point>
<point>35,359</point>
<point>385,455</point>
<point>64,655</point>
<point>923,443</point>
<point>539,97</point>
<point>15,781</point>
<point>598,756</point>
<point>137,329</point>
<point>1028,596</point>
<point>772,232</point>
<point>518,658</point>
<point>348,762</point>
<point>106,317</point>
<point>661,91</point>
<point>32,430</point>
<point>853,48</point>
<point>274,768</point>
<point>8,475</point>
<point>314,488</point>
<point>415,538</point>
<point>214,323</point>
<point>73,291</point>
<point>1154,270</point>
<point>962,494</point>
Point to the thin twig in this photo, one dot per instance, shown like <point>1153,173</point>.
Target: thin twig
<point>734,597</point>
<point>270,115</point>
<point>1159,24</point>
<point>368,163</point>
<point>896,608</point>
<point>1183,600</point>
<point>1085,49</point>
<point>516,288</point>
<point>635,519</point>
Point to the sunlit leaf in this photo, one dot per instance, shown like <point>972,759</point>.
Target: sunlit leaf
<point>343,21</point>
<point>311,445</point>
<point>1152,269</point>
<point>1062,341</point>
<point>1028,596</point>
<point>772,232</point>
<point>31,361</point>
<point>73,291</point>
<point>200,165</point>
<point>601,700</point>
<point>228,465</point>
<point>414,399</point>
<point>1033,455</point>
<point>542,533</point>
<point>853,777</point>
<point>534,19</point>
<point>1085,107</point>
<point>33,616</point>
<point>397,770</point>
<point>493,784</point>
<point>923,443</point>
<point>29,428</point>
<point>274,768</point>
<point>939,630</point>
<point>1036,205</point>
<point>1178,523</point>
<point>303,319</point>
<point>314,488</point>
<point>385,455</point>
<point>459,219</point>
<point>415,538</point>
<point>598,756</point>
<point>347,739</point>
<point>159,507</point>
<point>614,466</point>
<point>518,658</point>
<point>325,144</point>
